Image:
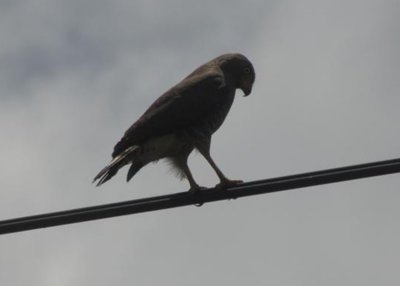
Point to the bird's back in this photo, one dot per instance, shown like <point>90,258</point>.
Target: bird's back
<point>195,105</point>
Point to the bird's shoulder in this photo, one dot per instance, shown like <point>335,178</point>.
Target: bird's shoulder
<point>188,94</point>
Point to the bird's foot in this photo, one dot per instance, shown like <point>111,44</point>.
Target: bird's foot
<point>228,183</point>
<point>195,190</point>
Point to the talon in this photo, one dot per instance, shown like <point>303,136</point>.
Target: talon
<point>228,183</point>
<point>195,191</point>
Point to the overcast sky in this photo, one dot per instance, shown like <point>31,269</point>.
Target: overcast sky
<point>75,74</point>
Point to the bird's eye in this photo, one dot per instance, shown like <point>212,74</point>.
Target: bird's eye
<point>246,70</point>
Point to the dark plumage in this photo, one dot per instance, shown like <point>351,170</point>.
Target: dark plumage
<point>184,118</point>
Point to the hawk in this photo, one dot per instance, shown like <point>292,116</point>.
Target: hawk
<point>183,119</point>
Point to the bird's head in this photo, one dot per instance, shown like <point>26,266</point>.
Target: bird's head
<point>240,69</point>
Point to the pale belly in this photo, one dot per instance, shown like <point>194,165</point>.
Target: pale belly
<point>162,147</point>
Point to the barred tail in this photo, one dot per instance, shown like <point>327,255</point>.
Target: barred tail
<point>118,162</point>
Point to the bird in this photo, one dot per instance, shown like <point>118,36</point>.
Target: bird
<point>183,119</point>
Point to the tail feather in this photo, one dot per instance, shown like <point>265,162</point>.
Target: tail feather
<point>135,167</point>
<point>111,169</point>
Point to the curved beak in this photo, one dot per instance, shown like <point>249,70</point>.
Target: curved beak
<point>246,87</point>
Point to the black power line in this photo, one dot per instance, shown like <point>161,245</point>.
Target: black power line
<point>208,195</point>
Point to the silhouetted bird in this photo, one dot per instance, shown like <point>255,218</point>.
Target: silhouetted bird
<point>182,119</point>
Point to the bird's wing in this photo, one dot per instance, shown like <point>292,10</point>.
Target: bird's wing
<point>180,107</point>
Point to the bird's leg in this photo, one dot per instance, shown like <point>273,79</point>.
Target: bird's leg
<point>180,163</point>
<point>194,187</point>
<point>225,182</point>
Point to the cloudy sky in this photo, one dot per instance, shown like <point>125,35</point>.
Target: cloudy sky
<point>75,74</point>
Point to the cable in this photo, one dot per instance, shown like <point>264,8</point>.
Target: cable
<point>204,196</point>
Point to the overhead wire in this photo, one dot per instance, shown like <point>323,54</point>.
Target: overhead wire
<point>168,201</point>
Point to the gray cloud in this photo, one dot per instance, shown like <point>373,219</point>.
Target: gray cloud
<point>75,74</point>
